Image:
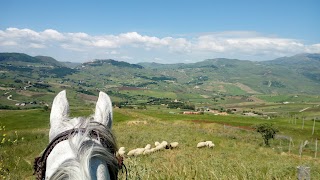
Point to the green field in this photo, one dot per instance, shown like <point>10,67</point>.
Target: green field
<point>294,98</point>
<point>239,152</point>
<point>149,103</point>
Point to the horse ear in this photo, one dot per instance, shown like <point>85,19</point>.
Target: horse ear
<point>59,110</point>
<point>103,112</point>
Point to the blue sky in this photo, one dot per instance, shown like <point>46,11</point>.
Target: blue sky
<point>165,31</point>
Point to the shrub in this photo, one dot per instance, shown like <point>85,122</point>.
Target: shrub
<point>267,132</point>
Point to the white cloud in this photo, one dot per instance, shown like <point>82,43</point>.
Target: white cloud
<point>314,48</point>
<point>113,52</point>
<point>72,48</point>
<point>8,43</point>
<point>252,45</point>
<point>37,46</point>
<point>126,58</point>
<point>50,34</point>
<point>104,43</point>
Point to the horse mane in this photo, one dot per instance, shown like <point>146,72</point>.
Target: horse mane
<point>86,147</point>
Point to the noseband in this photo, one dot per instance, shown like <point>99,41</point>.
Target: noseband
<point>41,161</point>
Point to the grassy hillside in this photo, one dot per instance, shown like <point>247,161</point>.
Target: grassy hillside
<point>239,152</point>
<point>220,84</point>
<point>149,100</point>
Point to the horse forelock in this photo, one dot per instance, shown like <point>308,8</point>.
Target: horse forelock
<point>89,149</point>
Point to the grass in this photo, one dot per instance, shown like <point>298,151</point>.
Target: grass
<point>158,94</point>
<point>24,119</point>
<point>234,90</point>
<point>238,153</point>
<point>296,98</point>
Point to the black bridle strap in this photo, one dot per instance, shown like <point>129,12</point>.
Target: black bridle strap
<point>40,162</point>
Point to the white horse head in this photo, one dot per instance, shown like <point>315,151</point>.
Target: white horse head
<point>80,148</point>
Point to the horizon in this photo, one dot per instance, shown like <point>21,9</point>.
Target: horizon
<point>163,32</point>
<point>92,60</point>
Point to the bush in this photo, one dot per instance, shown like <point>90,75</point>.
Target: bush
<point>267,132</point>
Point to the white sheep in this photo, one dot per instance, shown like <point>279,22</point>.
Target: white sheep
<point>121,151</point>
<point>174,144</point>
<point>153,150</point>
<point>156,143</point>
<point>164,143</point>
<point>148,146</point>
<point>131,153</point>
<point>209,144</point>
<point>139,151</point>
<point>159,147</point>
<point>201,144</point>
<point>147,151</point>
<point>206,143</point>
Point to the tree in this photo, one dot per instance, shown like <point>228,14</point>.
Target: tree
<point>267,132</point>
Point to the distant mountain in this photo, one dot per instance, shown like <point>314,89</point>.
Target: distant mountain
<point>307,65</point>
<point>33,67</point>
<point>122,64</point>
<point>299,73</point>
<point>20,59</point>
<point>71,64</point>
<point>14,57</point>
<point>297,61</point>
<point>154,65</point>
<point>50,61</point>
<point>286,75</point>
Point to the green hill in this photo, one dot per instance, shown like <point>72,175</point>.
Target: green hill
<point>296,74</point>
<point>307,65</point>
<point>20,59</point>
<point>18,65</point>
<point>120,64</point>
<point>213,81</point>
<point>49,61</point>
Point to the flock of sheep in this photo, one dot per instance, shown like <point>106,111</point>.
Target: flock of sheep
<point>158,146</point>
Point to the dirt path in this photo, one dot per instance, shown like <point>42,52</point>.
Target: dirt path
<point>246,88</point>
<point>304,109</point>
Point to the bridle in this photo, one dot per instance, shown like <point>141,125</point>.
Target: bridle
<point>41,161</point>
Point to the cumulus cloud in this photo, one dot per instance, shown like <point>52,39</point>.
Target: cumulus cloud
<point>314,48</point>
<point>132,44</point>
<point>50,34</point>
<point>247,43</point>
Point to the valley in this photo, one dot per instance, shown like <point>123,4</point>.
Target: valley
<point>217,99</point>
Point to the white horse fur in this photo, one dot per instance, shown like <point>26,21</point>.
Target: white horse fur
<point>79,157</point>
